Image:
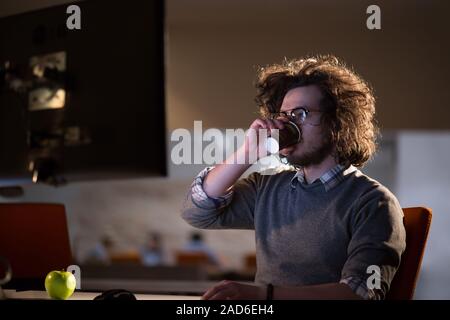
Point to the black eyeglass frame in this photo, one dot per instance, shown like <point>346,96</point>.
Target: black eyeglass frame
<point>291,114</point>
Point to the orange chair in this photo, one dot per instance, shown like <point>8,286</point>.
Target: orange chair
<point>250,261</point>
<point>417,224</point>
<point>191,258</point>
<point>34,238</point>
<point>126,257</point>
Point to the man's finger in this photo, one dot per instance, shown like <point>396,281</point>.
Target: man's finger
<point>212,291</point>
<point>224,294</point>
<point>270,123</point>
<point>279,124</point>
<point>259,123</point>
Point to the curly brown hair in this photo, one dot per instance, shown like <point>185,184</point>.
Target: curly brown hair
<point>347,100</point>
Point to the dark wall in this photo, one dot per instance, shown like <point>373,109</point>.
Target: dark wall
<point>214,47</point>
<point>114,81</point>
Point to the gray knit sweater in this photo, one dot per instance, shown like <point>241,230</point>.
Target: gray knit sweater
<point>307,234</point>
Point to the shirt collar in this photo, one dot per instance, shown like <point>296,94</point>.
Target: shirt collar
<point>329,179</point>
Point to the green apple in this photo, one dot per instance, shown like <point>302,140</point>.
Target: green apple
<point>60,284</point>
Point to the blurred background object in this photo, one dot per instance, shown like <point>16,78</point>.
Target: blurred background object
<point>5,274</point>
<point>197,248</point>
<point>152,253</point>
<point>34,238</point>
<point>75,105</point>
<point>101,252</point>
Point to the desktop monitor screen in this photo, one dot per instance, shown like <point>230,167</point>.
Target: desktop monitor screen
<point>83,101</point>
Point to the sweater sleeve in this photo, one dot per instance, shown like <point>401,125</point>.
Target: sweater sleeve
<point>377,242</point>
<point>234,210</point>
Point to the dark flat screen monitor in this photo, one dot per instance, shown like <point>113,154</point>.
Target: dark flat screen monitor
<point>84,103</point>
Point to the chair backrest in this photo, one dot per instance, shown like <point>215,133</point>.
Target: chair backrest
<point>192,258</point>
<point>417,225</point>
<point>34,238</point>
<point>126,257</point>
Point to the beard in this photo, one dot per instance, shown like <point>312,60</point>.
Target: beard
<point>312,156</point>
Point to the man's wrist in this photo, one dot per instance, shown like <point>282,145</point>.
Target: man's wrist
<point>269,292</point>
<point>241,156</point>
<point>262,293</point>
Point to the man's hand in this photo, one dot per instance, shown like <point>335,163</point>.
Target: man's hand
<point>223,176</point>
<point>254,148</point>
<point>229,290</point>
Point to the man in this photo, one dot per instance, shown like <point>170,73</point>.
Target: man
<point>197,244</point>
<point>321,228</point>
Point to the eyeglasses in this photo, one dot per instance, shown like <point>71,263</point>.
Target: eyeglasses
<point>300,115</point>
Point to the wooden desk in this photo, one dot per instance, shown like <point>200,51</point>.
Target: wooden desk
<point>42,295</point>
<point>164,287</point>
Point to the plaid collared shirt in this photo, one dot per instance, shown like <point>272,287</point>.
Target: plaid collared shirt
<point>329,179</point>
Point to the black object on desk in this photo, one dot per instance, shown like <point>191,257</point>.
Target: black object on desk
<point>116,294</point>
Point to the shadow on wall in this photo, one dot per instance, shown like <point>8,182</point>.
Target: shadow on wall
<point>423,179</point>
